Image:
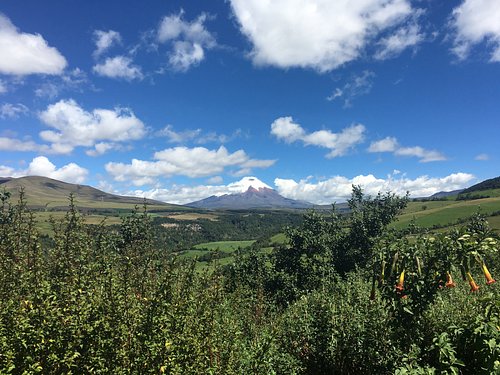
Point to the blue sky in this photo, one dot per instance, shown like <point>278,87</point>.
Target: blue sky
<point>179,100</point>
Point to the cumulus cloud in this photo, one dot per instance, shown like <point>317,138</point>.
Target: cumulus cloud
<point>24,53</point>
<point>75,126</point>
<point>338,188</point>
<point>41,166</point>
<point>104,40</point>
<point>317,34</point>
<point>188,40</point>
<point>474,22</point>
<point>118,67</point>
<point>338,143</point>
<point>12,111</point>
<point>102,147</point>
<point>190,162</point>
<point>359,85</point>
<point>391,144</point>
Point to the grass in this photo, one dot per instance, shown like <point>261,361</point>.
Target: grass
<point>445,212</point>
<point>483,193</point>
<point>279,238</point>
<point>44,226</point>
<point>226,246</point>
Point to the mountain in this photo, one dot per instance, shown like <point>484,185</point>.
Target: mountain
<point>253,197</point>
<point>444,194</point>
<point>492,183</point>
<point>47,192</point>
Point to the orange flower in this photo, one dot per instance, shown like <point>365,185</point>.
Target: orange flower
<point>489,280</point>
<point>399,286</point>
<point>473,286</point>
<point>449,281</point>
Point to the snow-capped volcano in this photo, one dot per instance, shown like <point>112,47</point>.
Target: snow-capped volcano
<point>249,192</point>
<point>245,183</point>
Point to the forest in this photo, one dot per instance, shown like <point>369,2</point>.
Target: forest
<point>345,294</point>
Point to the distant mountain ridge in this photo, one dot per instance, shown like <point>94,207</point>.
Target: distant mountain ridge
<point>444,194</point>
<point>262,197</point>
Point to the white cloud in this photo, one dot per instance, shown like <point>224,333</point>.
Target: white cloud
<point>74,126</point>
<point>188,40</point>
<point>482,157</point>
<point>12,144</point>
<point>118,67</point>
<point>474,22</point>
<point>178,137</point>
<point>391,144</point>
<point>105,40</point>
<point>338,143</point>
<point>24,53</point>
<point>339,188</point>
<point>388,144</point>
<point>358,85</point>
<point>393,45</point>
<point>3,87</point>
<point>41,166</point>
<point>12,111</point>
<point>190,162</point>
<point>315,34</point>
<point>102,147</point>
<point>185,55</point>
<point>6,171</point>
<point>419,152</point>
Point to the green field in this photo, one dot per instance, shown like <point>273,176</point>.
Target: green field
<point>226,246</point>
<point>279,238</point>
<point>427,214</point>
<point>483,193</point>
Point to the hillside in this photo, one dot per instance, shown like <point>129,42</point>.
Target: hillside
<point>492,183</point>
<point>448,212</point>
<point>43,192</point>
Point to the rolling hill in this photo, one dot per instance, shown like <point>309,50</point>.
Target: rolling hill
<point>43,192</point>
<point>483,197</point>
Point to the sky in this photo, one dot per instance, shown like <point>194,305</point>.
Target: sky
<point>180,100</point>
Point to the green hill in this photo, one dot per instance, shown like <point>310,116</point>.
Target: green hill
<point>447,213</point>
<point>47,193</point>
<point>492,183</point>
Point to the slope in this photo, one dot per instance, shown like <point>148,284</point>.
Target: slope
<point>43,192</point>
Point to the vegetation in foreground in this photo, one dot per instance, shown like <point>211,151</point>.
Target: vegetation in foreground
<point>343,296</point>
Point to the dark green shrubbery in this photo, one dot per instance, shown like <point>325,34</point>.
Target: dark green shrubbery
<point>95,300</point>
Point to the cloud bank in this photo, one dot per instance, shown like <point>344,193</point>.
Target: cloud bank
<point>184,161</point>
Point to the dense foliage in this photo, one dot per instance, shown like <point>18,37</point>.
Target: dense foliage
<point>345,296</point>
<point>174,235</point>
